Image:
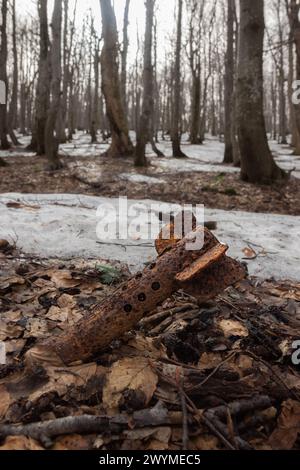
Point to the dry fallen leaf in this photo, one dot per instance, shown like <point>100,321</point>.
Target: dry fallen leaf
<point>72,442</point>
<point>64,280</point>
<point>4,401</point>
<point>209,361</point>
<point>233,328</point>
<point>288,426</point>
<point>129,374</point>
<point>20,443</point>
<point>249,253</point>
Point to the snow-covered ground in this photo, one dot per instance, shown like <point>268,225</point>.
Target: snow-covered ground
<point>64,226</point>
<point>206,157</point>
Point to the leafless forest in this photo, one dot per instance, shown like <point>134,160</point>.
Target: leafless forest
<point>135,343</point>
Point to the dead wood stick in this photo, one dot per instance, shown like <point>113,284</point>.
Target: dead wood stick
<point>88,424</point>
<point>165,313</point>
<point>203,272</point>
<point>185,429</point>
<point>242,406</point>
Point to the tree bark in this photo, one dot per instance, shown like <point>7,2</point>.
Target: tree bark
<point>229,83</point>
<point>43,85</point>
<point>257,163</point>
<point>124,55</point>
<point>12,114</point>
<point>176,133</point>
<point>293,8</point>
<point>204,273</point>
<point>51,141</point>
<point>5,145</point>
<point>121,144</point>
<point>145,119</point>
<point>95,105</point>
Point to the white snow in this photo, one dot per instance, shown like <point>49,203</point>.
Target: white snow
<point>138,178</point>
<point>64,226</point>
<point>206,157</point>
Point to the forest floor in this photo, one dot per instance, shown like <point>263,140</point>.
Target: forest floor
<point>212,376</point>
<point>199,179</point>
<point>209,377</point>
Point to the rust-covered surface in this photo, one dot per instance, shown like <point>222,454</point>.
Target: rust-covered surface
<point>203,273</point>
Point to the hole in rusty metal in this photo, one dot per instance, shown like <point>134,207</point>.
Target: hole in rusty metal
<point>142,297</point>
<point>152,265</point>
<point>124,288</point>
<point>139,276</point>
<point>128,308</point>
<point>156,286</point>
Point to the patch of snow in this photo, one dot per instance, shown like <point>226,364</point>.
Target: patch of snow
<point>206,157</point>
<point>138,178</point>
<point>64,226</point>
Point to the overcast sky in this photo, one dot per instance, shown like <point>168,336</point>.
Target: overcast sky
<point>165,15</point>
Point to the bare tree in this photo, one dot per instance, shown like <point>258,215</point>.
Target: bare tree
<point>43,85</point>
<point>95,104</point>
<point>51,141</point>
<point>121,144</point>
<point>3,76</point>
<point>293,9</point>
<point>176,131</point>
<point>229,82</point>
<point>258,165</point>
<point>12,114</point>
<point>196,12</point>
<point>145,120</point>
<point>124,54</point>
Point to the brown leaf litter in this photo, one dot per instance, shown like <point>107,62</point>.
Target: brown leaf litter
<point>221,370</point>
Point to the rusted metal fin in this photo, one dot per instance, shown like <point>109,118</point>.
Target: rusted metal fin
<point>209,258</point>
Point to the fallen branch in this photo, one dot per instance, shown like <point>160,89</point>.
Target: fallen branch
<point>204,273</point>
<point>44,431</point>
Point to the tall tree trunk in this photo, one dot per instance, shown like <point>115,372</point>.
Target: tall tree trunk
<point>43,85</point>
<point>293,8</point>
<point>95,105</point>
<point>51,140</point>
<point>12,114</point>
<point>195,111</point>
<point>124,55</point>
<point>145,119</point>
<point>292,120</point>
<point>121,144</point>
<point>3,77</point>
<point>61,121</point>
<point>257,163</point>
<point>176,133</point>
<point>229,83</point>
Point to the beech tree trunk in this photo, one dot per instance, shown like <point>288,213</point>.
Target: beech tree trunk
<point>124,55</point>
<point>43,85</point>
<point>51,140</point>
<point>257,163</point>
<point>229,83</point>
<point>145,119</point>
<point>12,114</point>
<point>293,8</point>
<point>176,133</point>
<point>121,144</point>
<point>3,77</point>
<point>95,104</point>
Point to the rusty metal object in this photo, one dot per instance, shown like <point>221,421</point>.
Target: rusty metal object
<point>203,273</point>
